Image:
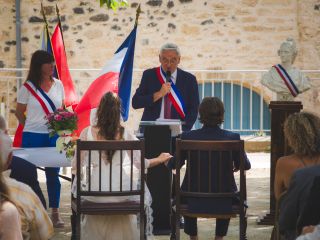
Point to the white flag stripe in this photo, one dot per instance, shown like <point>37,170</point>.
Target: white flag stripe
<point>115,63</point>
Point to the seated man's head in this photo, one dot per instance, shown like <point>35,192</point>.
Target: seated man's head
<point>211,111</point>
<point>5,150</point>
<point>302,131</point>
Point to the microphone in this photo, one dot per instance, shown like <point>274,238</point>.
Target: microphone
<point>168,76</point>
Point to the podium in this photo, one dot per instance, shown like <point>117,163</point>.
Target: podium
<point>280,110</point>
<point>158,138</point>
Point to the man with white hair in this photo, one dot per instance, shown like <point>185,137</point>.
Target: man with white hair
<point>168,91</point>
<point>35,222</point>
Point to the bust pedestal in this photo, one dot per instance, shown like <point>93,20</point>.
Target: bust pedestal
<point>280,110</point>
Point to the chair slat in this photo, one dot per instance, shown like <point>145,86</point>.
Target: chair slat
<point>211,163</point>
<point>82,206</point>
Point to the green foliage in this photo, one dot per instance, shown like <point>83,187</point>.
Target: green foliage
<point>260,133</point>
<point>69,148</point>
<point>114,4</point>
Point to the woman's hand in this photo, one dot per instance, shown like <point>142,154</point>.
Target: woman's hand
<point>164,157</point>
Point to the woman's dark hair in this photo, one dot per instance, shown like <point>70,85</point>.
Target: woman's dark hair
<point>108,119</point>
<point>211,111</point>
<point>302,131</point>
<point>38,58</point>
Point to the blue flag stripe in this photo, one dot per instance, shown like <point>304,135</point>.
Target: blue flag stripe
<point>125,76</point>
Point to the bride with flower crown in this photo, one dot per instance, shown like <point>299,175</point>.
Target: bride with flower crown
<point>108,127</point>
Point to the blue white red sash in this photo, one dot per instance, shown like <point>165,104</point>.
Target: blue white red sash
<point>46,104</point>
<point>174,94</point>
<point>287,80</point>
<point>44,100</point>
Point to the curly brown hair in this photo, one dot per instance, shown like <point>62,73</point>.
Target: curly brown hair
<point>302,130</point>
<point>108,119</point>
<point>211,111</point>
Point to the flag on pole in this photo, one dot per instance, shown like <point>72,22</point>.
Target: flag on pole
<point>55,46</point>
<point>116,76</point>
<point>62,68</point>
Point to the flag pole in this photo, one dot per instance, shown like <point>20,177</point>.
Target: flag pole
<point>59,22</point>
<point>137,15</point>
<point>44,16</point>
<point>46,23</point>
<point>49,38</point>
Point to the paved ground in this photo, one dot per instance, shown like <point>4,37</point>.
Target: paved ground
<point>258,200</point>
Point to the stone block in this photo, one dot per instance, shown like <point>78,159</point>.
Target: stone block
<point>99,18</point>
<point>250,3</point>
<point>190,30</point>
<point>78,10</point>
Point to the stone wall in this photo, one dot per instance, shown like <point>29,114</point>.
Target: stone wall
<point>226,34</point>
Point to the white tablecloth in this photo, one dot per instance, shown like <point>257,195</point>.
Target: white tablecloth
<point>43,157</point>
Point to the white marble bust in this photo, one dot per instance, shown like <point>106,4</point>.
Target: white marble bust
<point>274,81</point>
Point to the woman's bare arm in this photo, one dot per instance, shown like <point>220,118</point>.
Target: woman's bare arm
<point>20,112</point>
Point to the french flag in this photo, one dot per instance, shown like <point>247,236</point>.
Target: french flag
<point>116,76</point>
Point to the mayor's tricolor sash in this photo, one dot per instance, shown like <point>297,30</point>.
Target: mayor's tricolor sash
<point>287,80</point>
<point>174,94</point>
<point>46,104</point>
<point>44,100</point>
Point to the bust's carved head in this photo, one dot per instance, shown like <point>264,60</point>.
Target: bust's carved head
<point>288,51</point>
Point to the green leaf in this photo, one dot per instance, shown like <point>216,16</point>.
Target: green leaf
<point>114,4</point>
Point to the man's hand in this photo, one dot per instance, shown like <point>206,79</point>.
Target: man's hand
<point>164,90</point>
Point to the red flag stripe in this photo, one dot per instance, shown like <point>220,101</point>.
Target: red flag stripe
<point>62,67</point>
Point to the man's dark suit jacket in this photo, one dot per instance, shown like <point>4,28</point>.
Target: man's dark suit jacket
<point>186,84</point>
<point>296,197</point>
<point>209,134</point>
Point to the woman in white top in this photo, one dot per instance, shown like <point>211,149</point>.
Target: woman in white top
<point>30,112</point>
<point>108,127</point>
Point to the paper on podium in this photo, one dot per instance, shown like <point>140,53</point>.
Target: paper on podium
<point>175,125</point>
<point>43,157</point>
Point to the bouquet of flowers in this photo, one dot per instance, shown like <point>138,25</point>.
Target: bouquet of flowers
<point>63,123</point>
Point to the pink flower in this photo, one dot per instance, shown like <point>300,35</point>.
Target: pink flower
<point>57,117</point>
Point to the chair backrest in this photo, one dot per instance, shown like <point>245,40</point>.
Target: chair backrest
<point>310,214</point>
<point>100,179</point>
<point>209,175</point>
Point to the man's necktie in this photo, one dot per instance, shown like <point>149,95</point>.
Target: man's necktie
<point>167,107</point>
<point>167,103</point>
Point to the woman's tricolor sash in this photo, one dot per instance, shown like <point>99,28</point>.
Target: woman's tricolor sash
<point>174,94</point>
<point>43,99</point>
<point>287,80</point>
<point>46,104</point>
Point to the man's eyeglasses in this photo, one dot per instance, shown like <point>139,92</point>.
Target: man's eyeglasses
<point>171,61</point>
